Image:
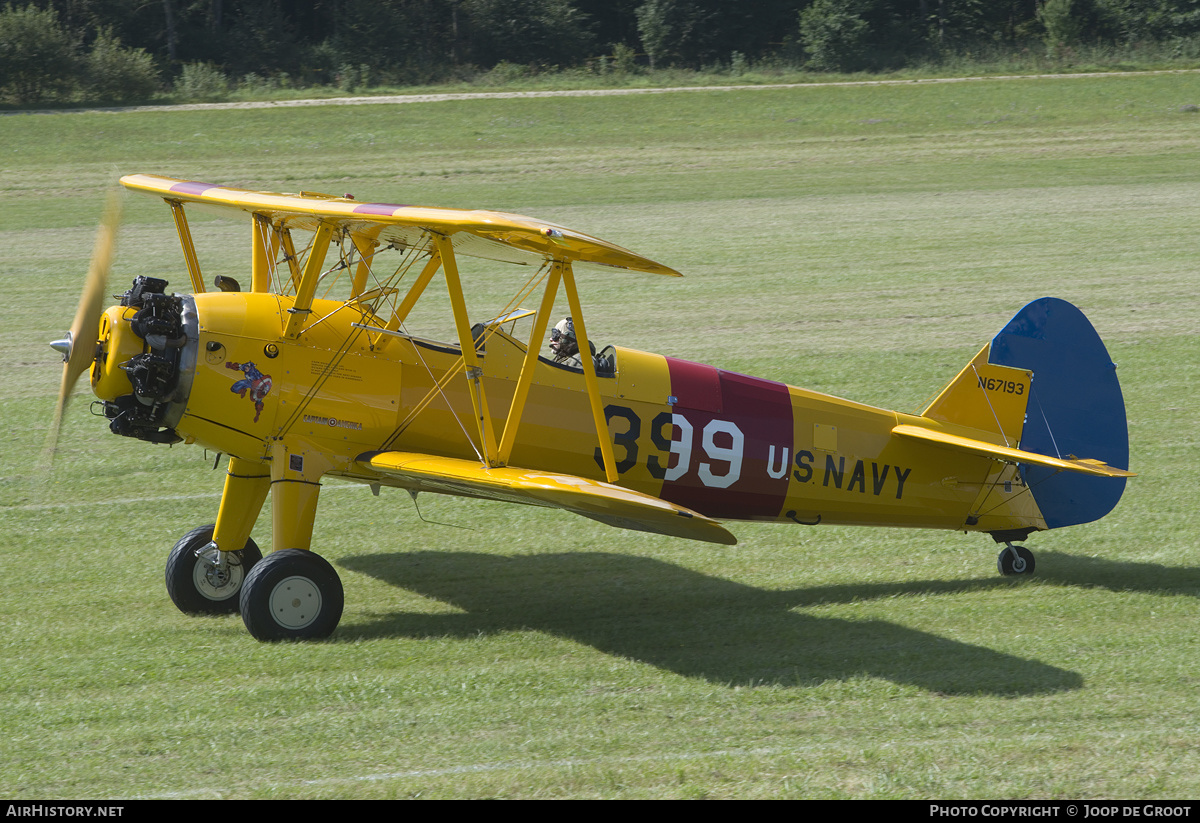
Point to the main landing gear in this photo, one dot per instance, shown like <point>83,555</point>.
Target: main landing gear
<point>292,595</point>
<point>202,581</point>
<point>1014,560</point>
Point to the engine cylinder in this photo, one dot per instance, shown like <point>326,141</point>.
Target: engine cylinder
<point>146,360</point>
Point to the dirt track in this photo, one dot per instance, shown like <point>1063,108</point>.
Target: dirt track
<point>398,99</point>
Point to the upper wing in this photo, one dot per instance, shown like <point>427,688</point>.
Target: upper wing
<point>609,504</point>
<point>985,449</point>
<point>490,235</point>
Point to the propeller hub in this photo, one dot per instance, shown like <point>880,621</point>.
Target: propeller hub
<point>63,347</point>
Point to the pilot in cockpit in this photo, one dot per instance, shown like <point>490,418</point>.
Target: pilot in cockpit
<point>566,348</point>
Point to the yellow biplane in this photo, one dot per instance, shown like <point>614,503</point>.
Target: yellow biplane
<point>311,372</point>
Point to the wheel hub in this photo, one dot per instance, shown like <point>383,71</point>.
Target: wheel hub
<point>295,602</point>
<point>216,580</point>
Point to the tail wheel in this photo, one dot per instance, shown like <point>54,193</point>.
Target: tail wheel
<point>201,581</point>
<point>1014,560</point>
<point>292,595</point>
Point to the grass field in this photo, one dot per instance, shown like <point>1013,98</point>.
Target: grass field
<point>863,241</point>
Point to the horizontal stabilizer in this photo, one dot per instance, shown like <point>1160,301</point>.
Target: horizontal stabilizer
<point>609,504</point>
<point>997,452</point>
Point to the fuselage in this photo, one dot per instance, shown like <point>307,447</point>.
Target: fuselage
<point>727,445</point>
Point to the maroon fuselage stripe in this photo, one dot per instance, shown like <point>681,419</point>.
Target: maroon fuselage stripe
<point>761,410</point>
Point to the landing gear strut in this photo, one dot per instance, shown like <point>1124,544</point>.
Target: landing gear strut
<point>1014,560</point>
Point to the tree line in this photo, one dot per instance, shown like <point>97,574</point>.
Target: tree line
<point>129,50</point>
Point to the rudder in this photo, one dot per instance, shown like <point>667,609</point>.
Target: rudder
<point>1075,408</point>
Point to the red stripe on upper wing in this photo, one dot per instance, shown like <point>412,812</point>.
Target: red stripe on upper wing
<point>382,209</point>
<point>193,188</point>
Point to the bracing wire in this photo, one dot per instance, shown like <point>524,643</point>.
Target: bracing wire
<point>1049,431</point>
<point>439,389</point>
<point>524,291</point>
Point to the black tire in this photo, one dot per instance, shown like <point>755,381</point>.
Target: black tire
<point>1015,560</point>
<point>198,587</point>
<point>292,595</point>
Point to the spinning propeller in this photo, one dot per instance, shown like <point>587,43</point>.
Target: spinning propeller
<point>79,347</point>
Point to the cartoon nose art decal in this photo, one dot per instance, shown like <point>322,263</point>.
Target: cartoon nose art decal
<point>254,382</point>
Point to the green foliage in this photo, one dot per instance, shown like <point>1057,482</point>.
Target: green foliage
<point>738,64</point>
<point>676,32</point>
<point>410,42</point>
<point>95,50</point>
<point>255,85</point>
<point>531,32</point>
<point>201,83</point>
<point>319,64</point>
<point>624,60</point>
<point>835,35</point>
<point>37,55</point>
<point>259,37</point>
<point>1063,28</point>
<point>655,29</point>
<point>353,77</point>
<point>698,33</point>
<point>116,74</point>
<point>955,24</point>
<point>504,73</point>
<point>1133,21</point>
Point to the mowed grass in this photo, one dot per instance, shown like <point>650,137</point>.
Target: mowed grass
<point>863,241</point>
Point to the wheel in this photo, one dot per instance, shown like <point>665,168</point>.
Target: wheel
<point>1015,560</point>
<point>197,584</point>
<point>292,595</point>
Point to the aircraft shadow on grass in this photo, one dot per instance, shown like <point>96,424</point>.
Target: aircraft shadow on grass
<point>1117,576</point>
<point>693,624</point>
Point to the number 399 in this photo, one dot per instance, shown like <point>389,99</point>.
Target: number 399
<point>721,441</point>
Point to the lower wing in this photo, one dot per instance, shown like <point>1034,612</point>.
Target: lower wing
<point>604,502</point>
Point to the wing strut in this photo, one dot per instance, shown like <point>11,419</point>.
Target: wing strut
<point>366,252</point>
<point>521,392</point>
<point>589,374</point>
<point>410,299</point>
<point>307,289</point>
<point>264,248</point>
<point>189,248</point>
<point>498,454</point>
<point>474,369</point>
<point>289,254</point>
<point>561,270</point>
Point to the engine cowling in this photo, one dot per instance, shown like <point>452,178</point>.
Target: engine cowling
<point>145,362</point>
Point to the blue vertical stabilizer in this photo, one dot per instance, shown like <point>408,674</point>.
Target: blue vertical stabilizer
<point>1075,408</point>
